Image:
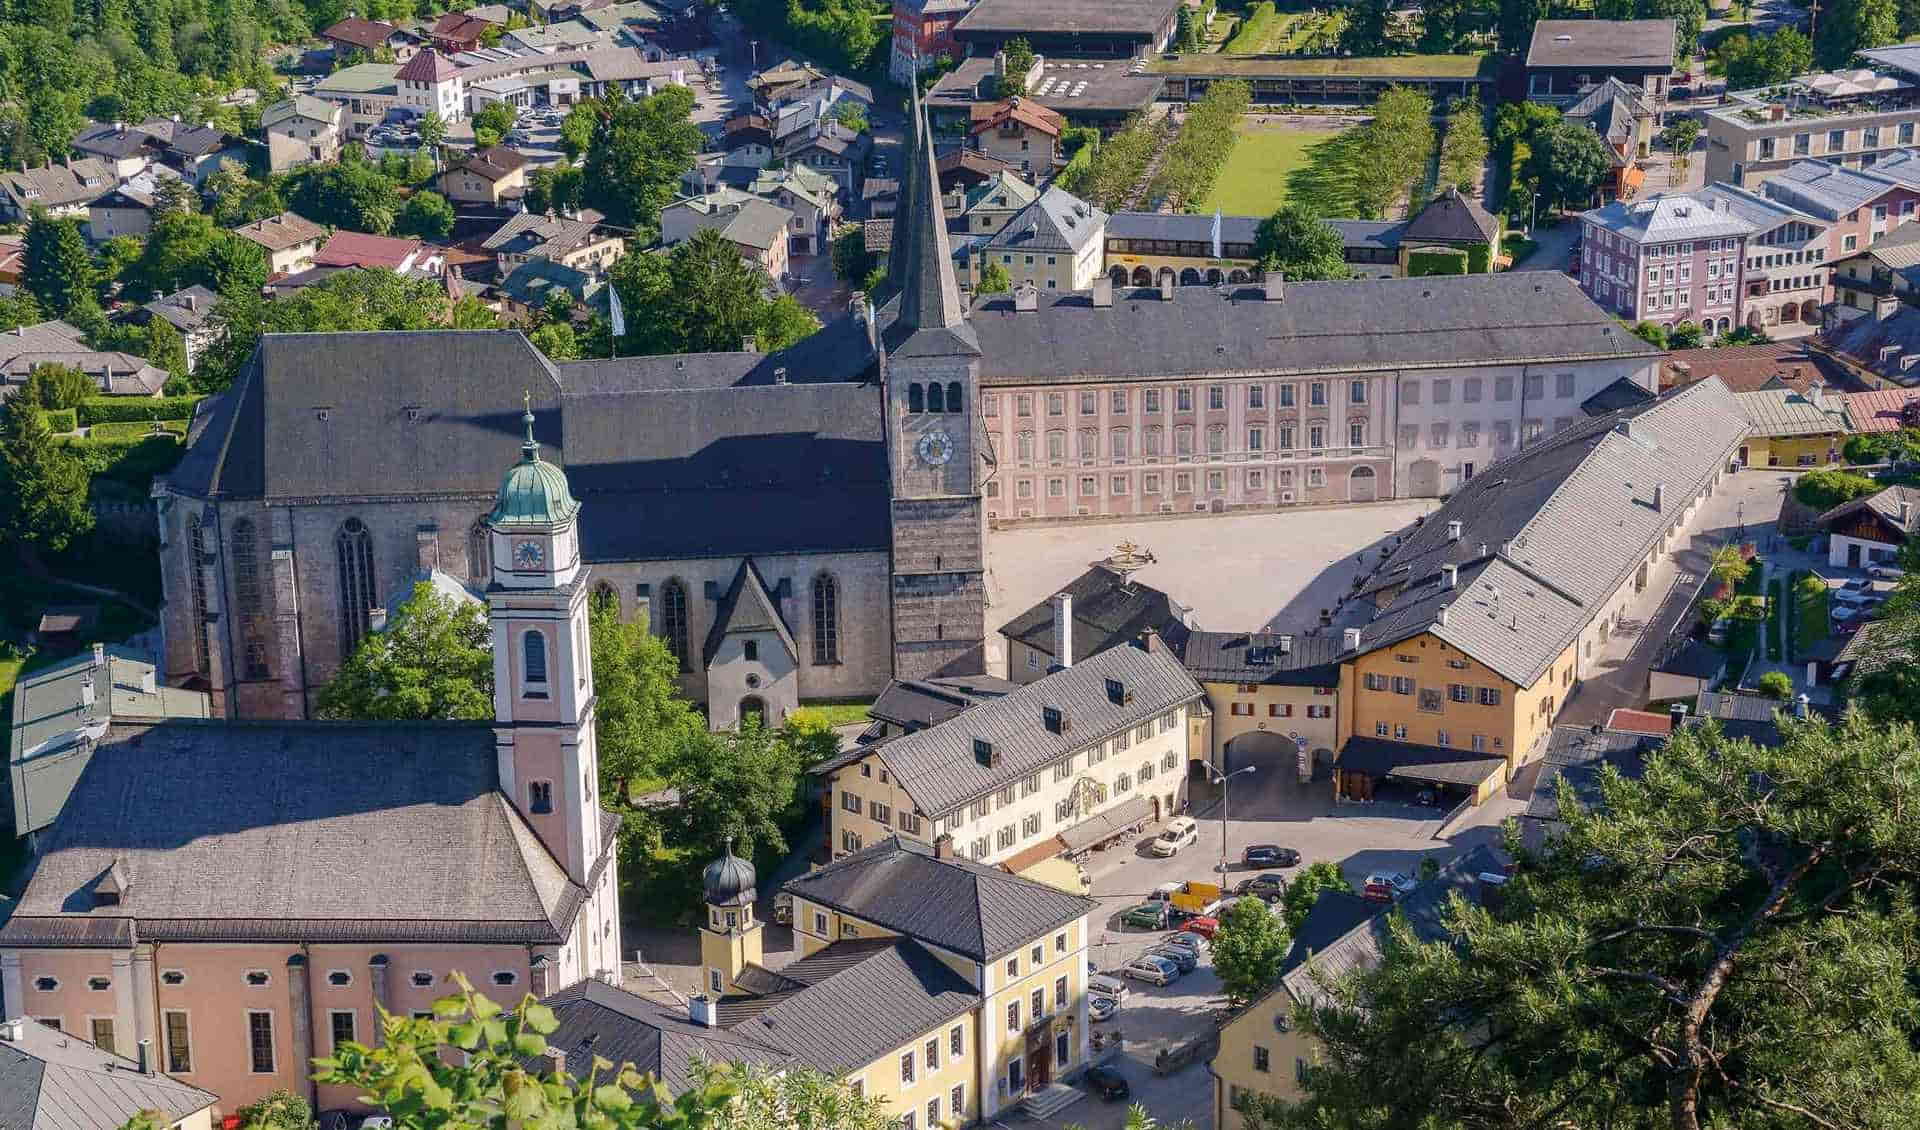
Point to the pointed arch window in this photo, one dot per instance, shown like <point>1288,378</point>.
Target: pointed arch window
<point>246,589</point>
<point>479,553</point>
<point>673,619</point>
<point>936,399</point>
<point>826,619</point>
<point>533,648</point>
<point>954,401</point>
<point>197,556</point>
<point>916,398</point>
<point>353,547</point>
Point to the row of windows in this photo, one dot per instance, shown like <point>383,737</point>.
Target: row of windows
<point>1430,697</point>
<point>932,397</point>
<point>1255,479</point>
<point>1284,437</point>
<point>1871,137</point>
<point>1153,400</point>
<point>1473,389</point>
<point>1276,710</point>
<point>1398,732</point>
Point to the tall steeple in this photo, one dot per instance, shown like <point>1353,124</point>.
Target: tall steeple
<point>920,259</point>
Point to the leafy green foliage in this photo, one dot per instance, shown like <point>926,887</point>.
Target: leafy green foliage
<point>1901,445</point>
<point>59,268</point>
<point>1196,157</point>
<point>165,348</point>
<point>1305,887</point>
<point>52,385</point>
<point>1394,148</point>
<point>1777,685</point>
<point>732,786</point>
<point>1444,25</point>
<point>349,300</point>
<point>491,124</point>
<point>1823,490</point>
<point>639,151</point>
<point>1567,162</point>
<point>1019,55</point>
<point>852,262</point>
<point>1762,60</point>
<point>1851,26</point>
<point>702,297</point>
<point>994,279</point>
<point>1686,335</point>
<point>639,713</point>
<point>793,1098</point>
<point>1708,947</point>
<point>1651,332</point>
<point>1119,164</point>
<point>433,661</point>
<point>115,409</point>
<point>1369,29</point>
<point>427,215</point>
<point>349,194</point>
<point>43,487</point>
<point>1436,261</point>
<point>277,1110</point>
<point>1248,949</point>
<point>1744,335</point>
<point>1463,152</point>
<point>1300,245</point>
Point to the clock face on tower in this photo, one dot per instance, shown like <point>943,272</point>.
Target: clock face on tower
<point>528,555</point>
<point>935,448</point>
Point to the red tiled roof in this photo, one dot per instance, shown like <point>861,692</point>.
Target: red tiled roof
<point>1640,722</point>
<point>1747,368</point>
<point>428,66</point>
<point>368,34</point>
<point>1027,113</point>
<point>1878,411</point>
<point>358,249</point>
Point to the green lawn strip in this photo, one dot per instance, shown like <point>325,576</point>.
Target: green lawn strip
<point>134,429</point>
<point>1261,24</point>
<point>835,713</point>
<point>1517,247</point>
<point>1776,620</point>
<point>1811,615</point>
<point>1232,63</point>
<point>1327,176</point>
<point>1744,620</point>
<point>1255,179</point>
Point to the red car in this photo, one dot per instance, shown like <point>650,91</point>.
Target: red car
<point>1203,926</point>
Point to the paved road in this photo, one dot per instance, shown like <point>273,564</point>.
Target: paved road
<point>1554,245</point>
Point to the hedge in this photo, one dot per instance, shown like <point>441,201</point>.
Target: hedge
<point>125,409</point>
<point>133,460</point>
<point>1436,263</point>
<point>135,429</point>
<point>1479,258</point>
<point>60,419</point>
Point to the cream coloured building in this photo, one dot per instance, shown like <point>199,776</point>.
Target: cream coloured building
<point>1030,775</point>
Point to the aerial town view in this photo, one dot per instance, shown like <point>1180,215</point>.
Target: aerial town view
<point>932,564</point>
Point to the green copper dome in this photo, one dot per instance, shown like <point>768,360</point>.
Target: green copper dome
<point>533,492</point>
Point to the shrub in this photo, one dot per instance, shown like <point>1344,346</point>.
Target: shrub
<point>1824,490</point>
<point>1449,262</point>
<point>1867,447</point>
<point>134,460</point>
<point>1479,258</point>
<point>61,419</point>
<point>136,429</point>
<point>1776,685</point>
<point>121,409</point>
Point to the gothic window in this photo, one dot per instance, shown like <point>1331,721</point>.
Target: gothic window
<point>246,587</point>
<point>916,398</point>
<point>605,598</point>
<point>534,646</point>
<point>353,545</point>
<point>673,619</point>
<point>479,553</point>
<point>955,402</point>
<point>936,398</point>
<point>197,555</point>
<point>826,619</point>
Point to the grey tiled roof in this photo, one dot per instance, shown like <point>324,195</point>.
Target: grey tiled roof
<point>1333,916</point>
<point>1622,393</point>
<point>1574,760</point>
<point>1546,534</point>
<point>1611,107</point>
<point>1886,504</point>
<point>1142,18</point>
<point>530,233</point>
<point>924,702</point>
<point>50,1080</point>
<point>1185,227</point>
<point>1763,213</point>
<point>1382,235</point>
<point>746,607</point>
<point>1503,318</point>
<point>1669,216</point>
<point>937,767</point>
<point>597,1019</point>
<point>1297,660</point>
<point>1106,613</point>
<point>1784,412</point>
<point>1055,221</point>
<point>187,309</point>
<point>1825,189</point>
<point>1452,217</point>
<point>1885,347</point>
<point>971,909</point>
<point>1602,43</point>
<point>1411,761</point>
<point>217,848</point>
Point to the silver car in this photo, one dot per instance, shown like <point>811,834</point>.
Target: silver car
<point>1153,970</point>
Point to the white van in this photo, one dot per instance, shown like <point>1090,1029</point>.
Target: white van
<point>1102,985</point>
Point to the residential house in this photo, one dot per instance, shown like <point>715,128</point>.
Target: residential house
<point>1853,118</point>
<point>189,310</point>
<point>1567,57</point>
<point>430,83</point>
<point>1743,368</point>
<point>494,177</point>
<point>1871,530</point>
<point>195,152</point>
<point>1486,615</point>
<point>125,150</point>
<point>1271,693</point>
<point>290,240</point>
<point>1024,778</point>
<point>455,32</point>
<point>631,70</point>
<point>1124,29</point>
<point>1889,266</point>
<point>366,91</point>
<point>576,243</point>
<point>1099,609</point>
<point>58,713</point>
<point>526,290</point>
<point>1020,132</point>
<point>61,190</point>
<point>962,170</point>
<point>985,208</point>
<point>1671,258</point>
<point>402,256</point>
<point>907,705</point>
<point>1054,243</point>
<point>354,38</point>
<point>1574,762</point>
<point>303,130</point>
<point>810,197</point>
<point>241,949</point>
<point>1452,221</point>
<point>828,147</point>
<point>1622,117</point>
<point>772,86</point>
<point>1793,427</point>
<point>922,33</point>
<point>881,195</point>
<point>1263,1051</point>
<point>1785,282</point>
<point>128,208</point>
<point>757,228</point>
<point>55,1080</point>
<point>57,343</point>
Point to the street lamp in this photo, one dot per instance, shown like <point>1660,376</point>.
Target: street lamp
<point>1532,202</point>
<point>1222,782</point>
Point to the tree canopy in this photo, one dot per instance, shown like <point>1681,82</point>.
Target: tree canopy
<point>1300,245</point>
<point>43,484</point>
<point>1567,162</point>
<point>639,714</point>
<point>434,661</point>
<point>639,151</point>
<point>703,297</point>
<point>1248,949</point>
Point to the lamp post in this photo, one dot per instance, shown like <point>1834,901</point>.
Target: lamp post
<point>1533,202</point>
<point>1222,782</point>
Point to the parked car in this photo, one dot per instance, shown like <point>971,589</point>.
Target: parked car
<point>1148,915</point>
<point>1153,970</point>
<point>1107,985</point>
<point>1165,892</point>
<point>1269,886</point>
<point>1184,940</point>
<point>1377,892</point>
<point>1179,832</point>
<point>1181,956</point>
<point>1886,572</point>
<point>1102,1008</point>
<point>1400,881</point>
<point>1203,926</point>
<point>1269,855</point>
<point>1108,1083</point>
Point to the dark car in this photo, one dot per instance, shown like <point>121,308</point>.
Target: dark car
<point>1108,1083</point>
<point>1269,886</point>
<point>1269,855</point>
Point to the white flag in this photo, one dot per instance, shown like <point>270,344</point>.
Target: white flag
<point>1216,232</point>
<point>614,313</point>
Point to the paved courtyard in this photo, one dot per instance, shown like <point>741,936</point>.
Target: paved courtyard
<point>1236,571</point>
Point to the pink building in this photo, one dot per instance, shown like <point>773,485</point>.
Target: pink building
<point>1858,205</point>
<point>1668,259</point>
<point>234,899</point>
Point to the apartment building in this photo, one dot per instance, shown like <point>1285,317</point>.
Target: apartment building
<point>1011,780</point>
<point>1850,118</point>
<point>1054,243</point>
<point>1268,692</point>
<point>1676,257</point>
<point>1785,280</point>
<point>1858,205</point>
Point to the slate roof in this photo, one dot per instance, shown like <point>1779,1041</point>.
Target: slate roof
<point>919,703</point>
<point>50,1080</point>
<point>1611,107</point>
<point>1885,347</point>
<point>1133,18</point>
<point>1646,44</point>
<point>366,34</point>
<point>1871,648</point>
<point>1575,759</point>
<point>1827,190</point>
<point>1885,504</point>
<point>57,186</point>
<point>746,608</point>
<point>1382,235</point>
<point>1452,217</point>
<point>1107,612</point>
<point>925,316</point>
<point>530,233</point>
<point>597,1019</point>
<point>741,218</point>
<point>1263,657</point>
<point>1622,393</point>
<point>937,768</point>
<point>427,65</point>
<point>278,233</point>
<point>1755,718</point>
<point>1695,658</point>
<point>111,139</point>
<point>494,162</point>
<point>1333,916</point>
<point>1765,214</point>
<point>217,849</point>
<point>1184,227</point>
<point>1411,761</point>
<point>971,909</point>
<point>1548,533</point>
<point>1056,221</point>
<point>1412,323</point>
<point>1784,412</point>
<point>187,309</point>
<point>1666,217</point>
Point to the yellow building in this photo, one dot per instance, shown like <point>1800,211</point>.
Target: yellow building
<point>1053,243</point>
<point>1263,1054</point>
<point>1268,693</point>
<point>948,989</point>
<point>1793,429</point>
<point>1048,768</point>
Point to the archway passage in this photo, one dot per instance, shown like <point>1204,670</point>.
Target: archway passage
<point>1214,277</point>
<point>1166,276</point>
<point>753,708</point>
<point>1423,479</point>
<point>1118,275</point>
<point>1238,276</point>
<point>1142,277</point>
<point>1362,485</point>
<point>1189,277</point>
<point>1810,311</point>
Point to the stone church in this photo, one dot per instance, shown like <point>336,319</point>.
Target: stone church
<point>800,525</point>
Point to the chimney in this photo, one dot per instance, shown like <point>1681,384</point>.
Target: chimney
<point>1441,617</point>
<point>143,1057</point>
<point>1659,497</point>
<point>701,1010</point>
<point>1454,529</point>
<point>1103,292</point>
<point>780,375</point>
<point>1885,307</point>
<point>1678,712</point>
<point>943,846</point>
<point>749,345</point>
<point>1449,576</point>
<point>1026,297</point>
<point>15,1030</point>
<point>1350,639</point>
<point>1166,286</point>
<point>1800,707</point>
<point>86,691</point>
<point>99,655</point>
<point>1906,513</point>
<point>148,683</point>
<point>1151,643</point>
<point>556,1060</point>
<point>1062,629</point>
<point>191,301</point>
<point>1273,285</point>
<point>1777,112</point>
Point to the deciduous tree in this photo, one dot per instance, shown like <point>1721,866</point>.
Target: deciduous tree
<point>433,661</point>
<point>1301,245</point>
<point>1305,887</point>
<point>994,279</point>
<point>1567,162</point>
<point>1248,948</point>
<point>732,786</point>
<point>640,714</point>
<point>638,154</point>
<point>427,216</point>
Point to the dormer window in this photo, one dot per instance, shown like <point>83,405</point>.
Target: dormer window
<point>983,752</point>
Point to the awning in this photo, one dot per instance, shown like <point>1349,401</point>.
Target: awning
<point>1103,826</point>
<point>1423,764</point>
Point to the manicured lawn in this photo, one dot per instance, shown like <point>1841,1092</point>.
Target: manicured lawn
<point>1254,181</point>
<point>1413,66</point>
<point>836,713</point>
<point>1811,616</point>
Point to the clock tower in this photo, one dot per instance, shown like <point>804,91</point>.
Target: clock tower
<point>930,362</point>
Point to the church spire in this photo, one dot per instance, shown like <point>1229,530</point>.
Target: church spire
<point>920,261</point>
